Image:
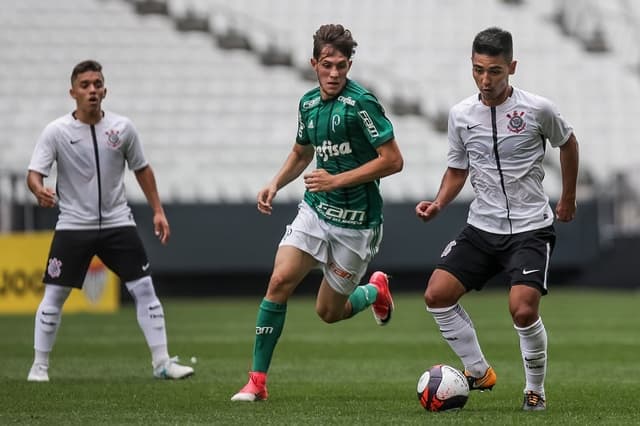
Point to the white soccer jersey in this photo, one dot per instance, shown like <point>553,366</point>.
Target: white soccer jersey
<point>90,169</point>
<point>503,148</point>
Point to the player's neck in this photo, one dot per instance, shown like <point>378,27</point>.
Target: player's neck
<point>91,117</point>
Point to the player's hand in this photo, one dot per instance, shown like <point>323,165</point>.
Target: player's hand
<point>427,210</point>
<point>265,197</point>
<point>566,210</point>
<point>319,180</point>
<point>161,228</point>
<point>46,197</point>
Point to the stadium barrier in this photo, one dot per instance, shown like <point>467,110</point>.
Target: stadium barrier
<point>22,260</point>
<point>218,249</point>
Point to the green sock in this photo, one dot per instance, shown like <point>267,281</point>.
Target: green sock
<point>362,298</point>
<point>269,325</point>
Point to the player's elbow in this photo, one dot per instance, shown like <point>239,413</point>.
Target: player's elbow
<point>396,164</point>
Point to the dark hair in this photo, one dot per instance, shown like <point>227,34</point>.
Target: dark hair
<point>494,41</point>
<point>335,35</point>
<point>84,66</point>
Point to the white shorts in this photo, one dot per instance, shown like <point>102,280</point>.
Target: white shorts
<point>344,253</point>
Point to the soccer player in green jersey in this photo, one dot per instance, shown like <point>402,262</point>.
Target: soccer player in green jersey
<point>339,223</point>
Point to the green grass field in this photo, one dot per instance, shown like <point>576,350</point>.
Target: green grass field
<point>347,373</point>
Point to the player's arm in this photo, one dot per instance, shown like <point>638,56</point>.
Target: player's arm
<point>451,185</point>
<point>388,162</point>
<point>46,196</point>
<point>569,153</point>
<point>147,181</point>
<point>297,160</point>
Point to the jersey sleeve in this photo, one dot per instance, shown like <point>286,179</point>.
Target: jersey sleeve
<point>133,151</point>
<point>553,125</point>
<point>302,137</point>
<point>374,123</point>
<point>44,153</point>
<point>457,156</point>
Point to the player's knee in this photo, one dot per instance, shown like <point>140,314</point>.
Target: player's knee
<point>524,315</point>
<point>141,289</point>
<point>436,298</point>
<point>49,318</point>
<point>328,315</point>
<point>278,280</point>
<point>280,288</point>
<point>55,295</point>
<point>443,290</point>
<point>430,298</point>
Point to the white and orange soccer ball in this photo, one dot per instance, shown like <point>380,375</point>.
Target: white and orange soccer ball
<point>443,387</point>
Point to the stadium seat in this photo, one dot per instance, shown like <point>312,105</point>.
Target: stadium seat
<point>194,103</point>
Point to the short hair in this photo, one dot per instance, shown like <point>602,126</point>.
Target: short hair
<point>335,35</point>
<point>494,41</point>
<point>84,66</point>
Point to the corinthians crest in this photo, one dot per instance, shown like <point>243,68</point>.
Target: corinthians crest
<point>54,267</point>
<point>113,137</point>
<point>516,122</point>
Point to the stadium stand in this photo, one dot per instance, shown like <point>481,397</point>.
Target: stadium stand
<point>417,43</point>
<point>217,118</point>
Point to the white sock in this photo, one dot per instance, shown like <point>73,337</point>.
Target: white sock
<point>533,345</point>
<point>47,321</point>
<point>150,318</point>
<point>41,357</point>
<point>457,329</point>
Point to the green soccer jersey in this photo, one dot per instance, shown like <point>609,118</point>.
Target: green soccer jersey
<point>345,132</point>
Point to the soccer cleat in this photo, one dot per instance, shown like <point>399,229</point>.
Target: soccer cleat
<point>533,401</point>
<point>383,306</point>
<point>486,382</point>
<point>170,369</point>
<point>38,373</point>
<point>254,390</point>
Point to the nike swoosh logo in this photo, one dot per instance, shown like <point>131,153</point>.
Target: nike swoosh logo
<point>145,266</point>
<point>473,127</point>
<point>73,142</point>
<point>529,271</point>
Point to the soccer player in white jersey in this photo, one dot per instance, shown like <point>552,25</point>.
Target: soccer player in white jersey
<point>497,138</point>
<point>339,223</point>
<point>90,147</point>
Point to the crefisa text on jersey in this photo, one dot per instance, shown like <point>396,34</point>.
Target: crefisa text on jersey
<point>329,149</point>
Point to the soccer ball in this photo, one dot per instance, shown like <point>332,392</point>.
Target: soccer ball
<point>443,387</point>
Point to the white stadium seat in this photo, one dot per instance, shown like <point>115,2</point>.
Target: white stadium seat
<point>216,124</point>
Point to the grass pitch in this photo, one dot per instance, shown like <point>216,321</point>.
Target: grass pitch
<point>346,373</point>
